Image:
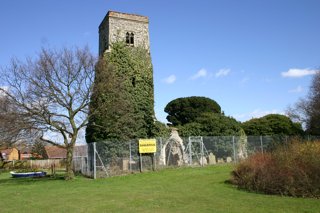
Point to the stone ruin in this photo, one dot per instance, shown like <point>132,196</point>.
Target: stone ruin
<point>173,151</point>
<point>242,146</point>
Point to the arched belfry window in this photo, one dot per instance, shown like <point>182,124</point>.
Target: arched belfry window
<point>132,38</point>
<point>129,38</point>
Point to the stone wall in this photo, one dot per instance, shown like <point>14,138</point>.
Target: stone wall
<point>115,25</point>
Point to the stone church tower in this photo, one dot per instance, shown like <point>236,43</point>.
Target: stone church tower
<point>133,29</point>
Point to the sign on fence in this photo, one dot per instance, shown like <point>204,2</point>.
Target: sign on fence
<point>147,146</point>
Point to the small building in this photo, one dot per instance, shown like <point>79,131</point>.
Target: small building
<point>10,154</point>
<point>56,152</point>
<point>25,153</point>
<point>25,156</point>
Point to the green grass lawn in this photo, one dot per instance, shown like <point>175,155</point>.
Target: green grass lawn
<point>171,190</point>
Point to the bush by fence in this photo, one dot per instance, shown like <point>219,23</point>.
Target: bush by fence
<point>291,169</point>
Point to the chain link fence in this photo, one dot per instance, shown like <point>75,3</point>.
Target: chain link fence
<point>109,158</point>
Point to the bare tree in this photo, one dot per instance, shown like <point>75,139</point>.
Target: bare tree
<point>13,128</point>
<point>307,110</point>
<point>51,93</point>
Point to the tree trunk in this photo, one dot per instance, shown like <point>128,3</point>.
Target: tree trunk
<point>69,171</point>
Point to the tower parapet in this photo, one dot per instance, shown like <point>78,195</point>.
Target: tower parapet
<point>130,28</point>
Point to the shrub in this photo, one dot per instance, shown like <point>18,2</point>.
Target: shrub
<point>292,169</point>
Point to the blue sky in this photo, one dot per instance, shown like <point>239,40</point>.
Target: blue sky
<point>252,57</point>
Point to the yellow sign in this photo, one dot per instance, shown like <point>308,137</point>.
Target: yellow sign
<point>147,146</point>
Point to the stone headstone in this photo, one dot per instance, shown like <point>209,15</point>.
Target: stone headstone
<point>125,164</point>
<point>203,161</point>
<point>220,160</point>
<point>229,159</point>
<point>212,159</point>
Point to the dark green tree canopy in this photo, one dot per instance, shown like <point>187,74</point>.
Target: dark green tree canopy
<point>272,124</point>
<point>186,110</point>
<point>211,124</point>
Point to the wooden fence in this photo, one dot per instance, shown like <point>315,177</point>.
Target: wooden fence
<point>36,164</point>
<point>47,163</point>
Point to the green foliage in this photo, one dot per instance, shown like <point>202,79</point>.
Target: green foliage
<point>214,124</point>
<point>123,99</point>
<point>186,110</point>
<point>161,130</point>
<point>196,116</point>
<point>272,124</point>
<point>211,124</point>
<point>38,151</point>
<point>292,170</point>
<point>190,129</point>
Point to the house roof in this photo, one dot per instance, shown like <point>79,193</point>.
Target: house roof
<point>6,151</point>
<point>56,152</point>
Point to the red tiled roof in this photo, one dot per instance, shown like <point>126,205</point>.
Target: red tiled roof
<point>56,152</point>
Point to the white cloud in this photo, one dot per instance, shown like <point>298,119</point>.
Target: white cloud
<point>170,80</point>
<point>202,73</point>
<point>296,90</point>
<point>298,73</point>
<point>222,72</point>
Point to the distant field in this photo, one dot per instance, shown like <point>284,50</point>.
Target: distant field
<point>171,190</point>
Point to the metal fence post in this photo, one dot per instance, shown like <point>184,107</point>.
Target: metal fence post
<point>234,149</point>
<point>94,161</point>
<point>261,144</point>
<point>202,153</point>
<point>130,159</point>
<point>190,153</point>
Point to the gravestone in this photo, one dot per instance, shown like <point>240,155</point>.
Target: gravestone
<point>212,159</point>
<point>220,160</point>
<point>124,164</point>
<point>203,161</point>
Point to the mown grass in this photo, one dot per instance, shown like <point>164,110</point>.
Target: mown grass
<point>171,190</point>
